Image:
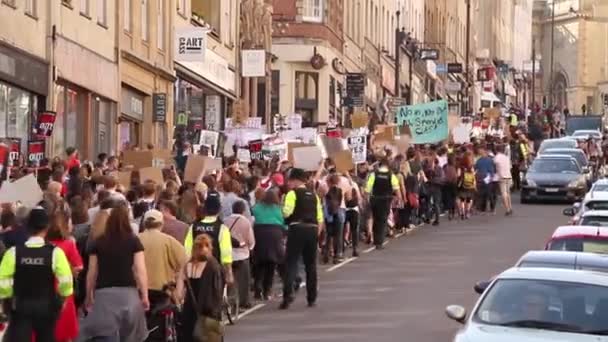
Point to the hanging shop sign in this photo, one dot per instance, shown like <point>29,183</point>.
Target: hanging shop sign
<point>159,107</point>
<point>36,151</point>
<point>45,123</point>
<point>190,44</point>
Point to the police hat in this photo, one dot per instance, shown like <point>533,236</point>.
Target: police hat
<point>213,203</point>
<point>298,174</point>
<point>38,219</point>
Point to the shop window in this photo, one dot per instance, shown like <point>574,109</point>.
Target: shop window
<point>207,12</point>
<point>129,134</point>
<point>103,114</point>
<point>313,11</point>
<point>307,93</point>
<point>67,132</point>
<point>17,108</point>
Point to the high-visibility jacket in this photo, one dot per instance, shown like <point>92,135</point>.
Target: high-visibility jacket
<point>224,241</point>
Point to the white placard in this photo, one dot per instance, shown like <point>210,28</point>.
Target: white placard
<point>212,111</point>
<point>190,44</point>
<point>462,133</point>
<point>358,146</point>
<point>243,155</point>
<point>295,121</point>
<point>307,158</point>
<point>254,63</point>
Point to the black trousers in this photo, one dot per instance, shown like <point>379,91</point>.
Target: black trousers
<point>302,240</point>
<point>380,210</point>
<point>352,218</point>
<point>22,326</point>
<point>263,277</point>
<point>435,191</point>
<point>515,176</point>
<point>242,275</point>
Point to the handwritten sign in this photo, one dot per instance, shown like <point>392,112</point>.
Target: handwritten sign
<point>358,147</point>
<point>428,122</point>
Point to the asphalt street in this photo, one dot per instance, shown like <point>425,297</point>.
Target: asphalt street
<point>399,294</point>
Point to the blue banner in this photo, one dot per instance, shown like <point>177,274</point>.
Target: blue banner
<point>428,122</point>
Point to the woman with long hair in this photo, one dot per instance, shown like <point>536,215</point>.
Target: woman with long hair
<point>117,290</point>
<point>66,328</point>
<point>200,286</point>
<point>188,204</point>
<point>269,250</point>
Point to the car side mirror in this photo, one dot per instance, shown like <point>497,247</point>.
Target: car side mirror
<point>586,169</point>
<point>481,286</point>
<point>576,206</point>
<point>568,212</point>
<point>456,313</point>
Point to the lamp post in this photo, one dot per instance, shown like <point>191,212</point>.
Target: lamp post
<point>398,42</point>
<point>552,53</point>
<point>466,58</point>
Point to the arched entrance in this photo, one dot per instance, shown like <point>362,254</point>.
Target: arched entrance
<point>558,91</point>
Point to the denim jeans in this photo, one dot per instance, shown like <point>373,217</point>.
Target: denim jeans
<point>335,233</point>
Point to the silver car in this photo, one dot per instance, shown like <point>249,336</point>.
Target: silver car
<point>538,305</point>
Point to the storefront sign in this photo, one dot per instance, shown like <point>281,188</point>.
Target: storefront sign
<point>428,122</point>
<point>191,44</point>
<point>132,104</point>
<point>452,87</point>
<point>253,63</point>
<point>45,123</point>
<point>14,149</point>
<point>212,112</point>
<point>255,149</point>
<point>36,151</point>
<point>159,107</point>
<point>214,69</point>
<point>358,147</point>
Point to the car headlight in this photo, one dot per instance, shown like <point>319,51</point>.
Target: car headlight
<point>531,183</point>
<point>575,184</point>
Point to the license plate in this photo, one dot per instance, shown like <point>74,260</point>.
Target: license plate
<point>551,190</point>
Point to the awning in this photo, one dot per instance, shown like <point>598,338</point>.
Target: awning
<point>488,96</point>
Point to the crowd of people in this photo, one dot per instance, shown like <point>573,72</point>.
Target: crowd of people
<point>94,256</point>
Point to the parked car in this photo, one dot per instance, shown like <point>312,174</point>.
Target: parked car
<point>530,304</point>
<point>592,239</point>
<point>584,134</point>
<point>581,159</point>
<point>554,177</point>
<point>557,143</point>
<point>594,218</point>
<point>595,199</point>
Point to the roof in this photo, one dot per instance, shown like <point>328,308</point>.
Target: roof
<point>555,156</point>
<point>556,274</point>
<point>595,213</point>
<point>565,231</point>
<point>556,150</point>
<point>596,195</point>
<point>564,259</point>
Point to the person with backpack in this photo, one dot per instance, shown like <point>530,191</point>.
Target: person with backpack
<point>467,185</point>
<point>334,220</point>
<point>381,185</point>
<point>436,180</point>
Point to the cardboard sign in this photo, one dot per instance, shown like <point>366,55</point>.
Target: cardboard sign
<point>14,147</point>
<point>24,190</point>
<point>384,133</point>
<point>195,168</point>
<point>141,159</point>
<point>293,145</point>
<point>36,151</point>
<point>344,161</point>
<point>123,177</point>
<point>358,148</point>
<point>307,158</point>
<point>492,113</point>
<point>212,164</point>
<point>151,173</point>
<point>45,123</point>
<point>243,155</point>
<point>359,119</point>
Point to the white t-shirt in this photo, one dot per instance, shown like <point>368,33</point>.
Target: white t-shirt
<point>503,165</point>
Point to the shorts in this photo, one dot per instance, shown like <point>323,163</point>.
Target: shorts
<point>466,195</point>
<point>505,186</point>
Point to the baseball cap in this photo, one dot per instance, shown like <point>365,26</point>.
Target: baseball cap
<point>278,179</point>
<point>153,216</point>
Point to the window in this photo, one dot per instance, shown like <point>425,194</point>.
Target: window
<point>103,111</point>
<point>313,10</point>
<point>160,24</point>
<point>85,8</point>
<point>15,111</point>
<point>102,12</point>
<point>181,7</point>
<point>127,15</point>
<point>144,20</point>
<point>31,8</point>
<point>208,12</point>
<point>67,3</point>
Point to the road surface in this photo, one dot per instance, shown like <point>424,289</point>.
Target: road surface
<point>399,294</point>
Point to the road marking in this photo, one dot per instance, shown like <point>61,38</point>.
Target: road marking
<point>335,267</point>
<point>399,235</point>
<point>385,243</point>
<point>369,249</point>
<point>252,310</point>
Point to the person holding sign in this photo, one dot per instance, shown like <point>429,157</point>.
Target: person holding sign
<point>303,212</point>
<point>381,185</point>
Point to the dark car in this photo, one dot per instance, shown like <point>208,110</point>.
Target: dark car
<point>554,177</point>
<point>580,157</point>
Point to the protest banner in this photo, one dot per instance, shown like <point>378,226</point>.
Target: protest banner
<point>45,122</point>
<point>272,150</point>
<point>213,164</point>
<point>151,173</point>
<point>123,178</point>
<point>462,133</point>
<point>359,119</point>
<point>331,146</point>
<point>14,149</point>
<point>210,139</point>
<point>385,133</point>
<point>24,190</point>
<point>428,122</point>
<point>358,148</point>
<point>36,151</point>
<point>307,158</point>
<point>141,159</point>
<point>344,161</point>
<point>255,149</point>
<point>195,168</point>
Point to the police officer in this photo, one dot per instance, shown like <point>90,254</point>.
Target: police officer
<point>28,274</point>
<point>381,185</point>
<point>304,214</point>
<point>211,225</point>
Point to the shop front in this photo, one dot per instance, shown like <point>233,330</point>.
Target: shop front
<point>23,91</point>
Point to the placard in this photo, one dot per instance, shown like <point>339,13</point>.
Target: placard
<point>14,148</point>
<point>45,123</point>
<point>344,161</point>
<point>385,133</point>
<point>243,155</point>
<point>462,133</point>
<point>253,63</point>
<point>25,190</point>
<point>358,148</point>
<point>255,149</point>
<point>195,168</point>
<point>428,121</point>
<point>307,158</point>
<point>4,153</point>
<point>36,150</point>
<point>293,145</point>
<point>359,119</point>
<point>151,173</point>
<point>271,151</point>
<point>213,164</point>
<point>332,145</point>
<point>123,178</point>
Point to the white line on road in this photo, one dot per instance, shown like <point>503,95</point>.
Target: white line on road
<point>369,249</point>
<point>335,267</point>
<point>252,310</point>
<point>399,235</point>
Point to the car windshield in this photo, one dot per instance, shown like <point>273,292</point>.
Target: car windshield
<point>594,221</point>
<point>546,304</point>
<point>600,187</point>
<point>576,154</point>
<point>580,244</point>
<point>554,165</point>
<point>596,205</point>
<point>560,143</point>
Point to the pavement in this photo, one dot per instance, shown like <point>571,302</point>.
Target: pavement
<point>400,293</point>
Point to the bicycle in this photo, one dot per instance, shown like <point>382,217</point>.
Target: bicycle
<point>162,317</point>
<point>231,303</point>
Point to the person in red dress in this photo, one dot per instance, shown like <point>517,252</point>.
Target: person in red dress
<point>59,235</point>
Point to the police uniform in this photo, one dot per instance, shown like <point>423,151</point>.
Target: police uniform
<point>381,185</point>
<point>304,213</point>
<point>219,234</point>
<point>29,274</point>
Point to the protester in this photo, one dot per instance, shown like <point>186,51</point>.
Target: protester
<point>503,170</point>
<point>241,230</point>
<point>172,226</point>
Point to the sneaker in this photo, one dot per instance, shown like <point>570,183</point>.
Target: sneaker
<point>312,304</point>
<point>435,223</point>
<point>285,304</point>
<point>355,253</point>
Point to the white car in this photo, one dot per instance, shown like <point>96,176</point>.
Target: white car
<point>595,199</point>
<point>584,134</point>
<point>528,304</point>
